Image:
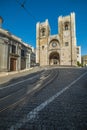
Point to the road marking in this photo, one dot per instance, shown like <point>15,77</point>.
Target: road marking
<point>34,113</point>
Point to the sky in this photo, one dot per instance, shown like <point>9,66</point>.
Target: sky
<point>20,18</point>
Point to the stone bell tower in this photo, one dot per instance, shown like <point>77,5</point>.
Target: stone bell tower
<point>67,34</point>
<point>42,34</point>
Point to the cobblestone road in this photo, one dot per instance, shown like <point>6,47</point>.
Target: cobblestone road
<point>59,105</point>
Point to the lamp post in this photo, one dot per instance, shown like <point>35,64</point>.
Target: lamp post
<point>1,21</point>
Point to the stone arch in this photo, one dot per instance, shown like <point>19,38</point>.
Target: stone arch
<point>54,58</point>
<point>54,40</point>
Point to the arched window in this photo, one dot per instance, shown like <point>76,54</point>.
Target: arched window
<point>43,31</point>
<point>66,27</point>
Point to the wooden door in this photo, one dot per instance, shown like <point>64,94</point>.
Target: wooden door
<point>12,64</point>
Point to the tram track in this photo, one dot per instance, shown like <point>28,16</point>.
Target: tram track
<point>11,88</point>
<point>18,96</point>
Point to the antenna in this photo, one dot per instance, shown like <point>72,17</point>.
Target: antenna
<point>1,21</point>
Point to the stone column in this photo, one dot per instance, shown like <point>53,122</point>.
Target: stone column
<point>4,56</point>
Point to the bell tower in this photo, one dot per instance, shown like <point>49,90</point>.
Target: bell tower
<point>42,34</point>
<point>67,36</point>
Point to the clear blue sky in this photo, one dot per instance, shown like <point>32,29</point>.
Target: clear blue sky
<point>22,23</point>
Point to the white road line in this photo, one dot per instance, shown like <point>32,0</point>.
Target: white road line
<point>31,115</point>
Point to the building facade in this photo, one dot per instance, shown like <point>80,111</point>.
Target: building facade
<point>84,60</point>
<point>59,49</point>
<point>33,57</point>
<point>14,53</point>
<point>79,54</point>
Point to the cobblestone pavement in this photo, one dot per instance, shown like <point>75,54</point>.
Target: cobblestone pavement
<point>42,109</point>
<point>15,76</point>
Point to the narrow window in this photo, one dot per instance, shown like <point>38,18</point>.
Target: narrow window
<point>66,27</point>
<point>43,30</point>
<point>22,52</point>
<point>42,47</point>
<point>77,50</point>
<point>66,43</point>
<point>13,49</point>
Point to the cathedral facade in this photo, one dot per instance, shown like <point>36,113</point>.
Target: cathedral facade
<point>59,49</point>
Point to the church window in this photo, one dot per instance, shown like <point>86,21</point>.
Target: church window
<point>66,27</point>
<point>43,30</point>
<point>66,43</point>
<point>54,44</point>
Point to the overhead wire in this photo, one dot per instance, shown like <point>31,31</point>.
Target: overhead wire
<point>22,5</point>
<point>28,12</point>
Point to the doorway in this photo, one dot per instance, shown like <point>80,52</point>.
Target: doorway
<point>12,64</point>
<point>54,58</point>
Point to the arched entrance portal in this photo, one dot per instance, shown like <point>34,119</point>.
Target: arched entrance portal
<point>54,58</point>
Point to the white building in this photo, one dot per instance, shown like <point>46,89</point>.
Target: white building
<point>15,55</point>
<point>79,54</point>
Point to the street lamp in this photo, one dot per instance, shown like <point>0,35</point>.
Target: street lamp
<point>1,21</point>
